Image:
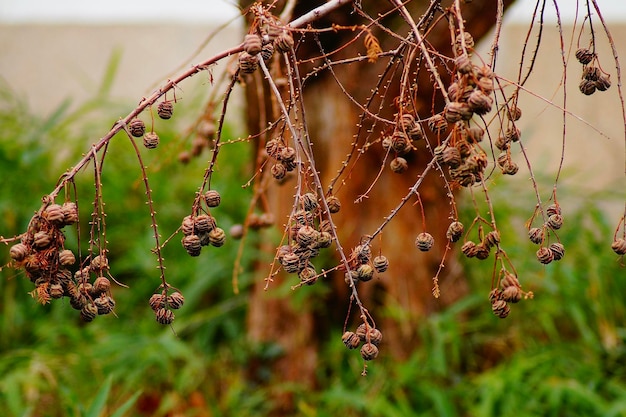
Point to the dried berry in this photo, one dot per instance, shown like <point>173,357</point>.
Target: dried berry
<point>512,294</point>
<point>469,249</point>
<point>165,110</point>
<point>70,213</point>
<point>284,42</point>
<point>306,235</point>
<point>437,124</point>
<point>247,63</point>
<point>101,285</point>
<point>137,128</point>
<point>175,300</point>
<point>204,223</point>
<point>363,253</point>
<point>424,241</point>
<point>151,140</point>
<point>584,56</point>
<point>381,263</point>
<point>309,201</point>
<point>500,308</point>
<point>603,83</point>
<point>515,113</point>
<point>42,239</point>
<point>553,209</point>
<point>164,316</point>
<point>479,102</point>
<point>482,251</point>
<point>157,301</point>
<point>99,263</point>
<point>544,255</point>
<point>212,198</point>
<point>252,44</point>
<point>558,251</point>
<point>334,205</point>
<point>555,221</point>
<point>369,351</point>
<point>535,235</point>
<point>365,272</point>
<point>88,312</point>
<point>267,51</point>
<point>619,246</point>
<point>455,231</point>
<point>217,237</point>
<point>18,252</point>
<point>587,87</point>
<point>492,239</point>
<point>192,244</point>
<point>398,165</point>
<point>66,257</point>
<point>278,171</point>
<point>351,340</point>
<point>104,304</point>
<point>54,214</point>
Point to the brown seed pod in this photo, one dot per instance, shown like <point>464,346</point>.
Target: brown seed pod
<point>217,237</point>
<point>273,147</point>
<point>479,102</point>
<point>324,240</point>
<point>99,263</point>
<point>456,111</point>
<point>70,212</point>
<point>502,143</point>
<point>369,351</point>
<point>619,246</point>
<point>351,340</point>
<point>267,51</point>
<point>584,56</point>
<point>66,257</point>
<point>78,302</point>
<point>308,275</point>
<point>463,64</point>
<point>544,255</point>
<point>513,134</point>
<point>284,42</point>
<point>101,285</point>
<point>212,198</point>
<point>381,263</point>
<point>104,304</point>
<point>306,235</point>
<point>492,239</point>
<point>151,140</point>
<point>192,244</point>
<point>42,239</point>
<point>278,171</point>
<point>309,201</point>
<point>287,154</point>
<point>88,312</point>
<point>164,316</point>
<point>56,290</point>
<point>18,252</point>
<point>587,87</point>
<point>555,222</point>
<point>252,44</point>
<point>553,209</point>
<point>495,295</point>
<point>334,205</point>
<point>510,168</point>
<point>247,63</point>
<point>405,123</point>
<point>204,223</point>
<point>603,83</point>
<point>165,109</point>
<point>54,214</point>
<point>437,124</point>
<point>512,294</point>
<point>467,37</point>
<point>558,251</point>
<point>303,218</point>
<point>365,272</point>
<point>515,113</point>
<point>451,157</point>
<point>137,128</point>
<point>455,231</point>
<point>509,280</point>
<point>290,263</point>
<point>400,142</point>
<point>482,251</point>
<point>591,73</point>
<point>157,301</point>
<point>424,241</point>
<point>398,165</point>
<point>175,300</point>
<point>363,253</point>
<point>417,133</point>
<point>475,134</point>
<point>500,308</point>
<point>187,225</point>
<point>535,235</point>
<point>469,249</point>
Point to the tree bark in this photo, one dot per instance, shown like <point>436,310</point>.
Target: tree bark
<point>400,297</point>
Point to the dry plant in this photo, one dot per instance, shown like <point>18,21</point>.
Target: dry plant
<point>469,135</point>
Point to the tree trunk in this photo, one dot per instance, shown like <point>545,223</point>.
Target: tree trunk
<point>398,298</point>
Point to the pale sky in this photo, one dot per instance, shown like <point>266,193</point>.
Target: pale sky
<point>198,11</point>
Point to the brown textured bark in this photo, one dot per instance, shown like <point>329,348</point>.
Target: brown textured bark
<point>402,295</point>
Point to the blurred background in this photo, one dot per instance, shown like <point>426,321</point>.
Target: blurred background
<point>70,69</point>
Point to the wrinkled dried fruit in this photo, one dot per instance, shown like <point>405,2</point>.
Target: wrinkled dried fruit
<point>424,241</point>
